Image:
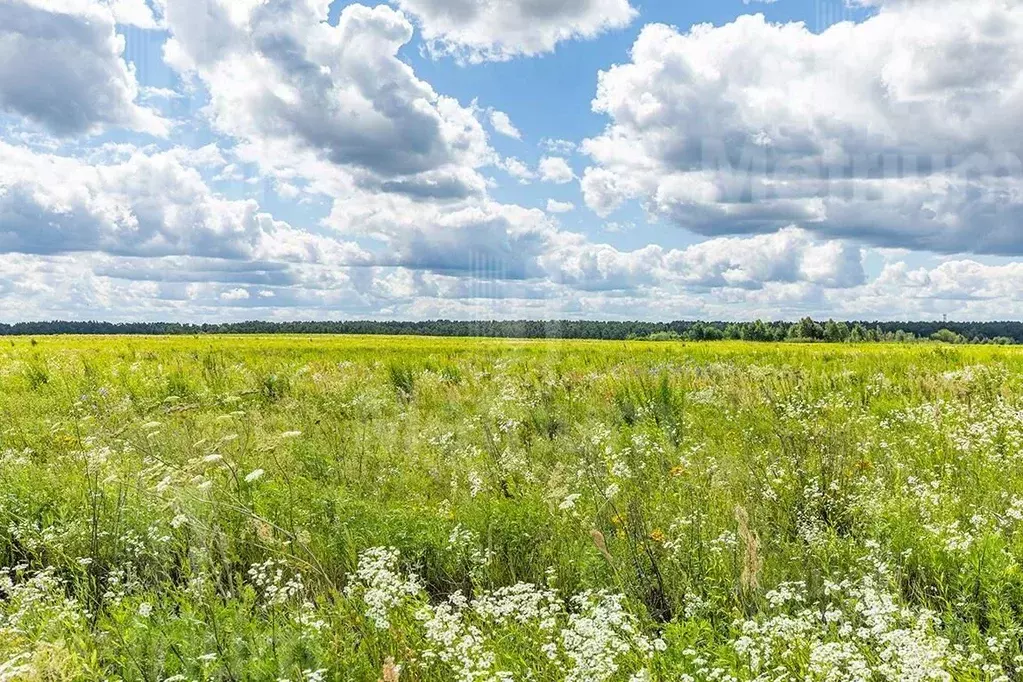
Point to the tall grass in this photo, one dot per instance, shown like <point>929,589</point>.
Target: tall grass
<point>238,508</point>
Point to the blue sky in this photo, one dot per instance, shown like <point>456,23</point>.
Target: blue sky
<point>606,159</point>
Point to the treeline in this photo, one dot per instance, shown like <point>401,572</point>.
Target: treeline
<point>808,330</point>
<point>803,330</point>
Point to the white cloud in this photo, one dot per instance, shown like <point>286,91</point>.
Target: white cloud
<point>149,205</point>
<point>336,123</point>
<point>484,30</point>
<point>62,66</point>
<point>555,169</point>
<point>503,240</point>
<point>554,206</point>
<point>954,280</point>
<point>518,170</point>
<point>790,256</point>
<point>503,125</point>
<point>133,13</point>
<point>327,101</point>
<point>558,146</point>
<point>901,130</point>
<point>615,227</point>
<point>235,295</point>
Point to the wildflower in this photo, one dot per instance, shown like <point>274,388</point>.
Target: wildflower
<point>254,475</point>
<point>598,636</point>
<point>145,609</point>
<point>475,483</point>
<point>269,580</point>
<point>291,434</point>
<point>381,587</point>
<point>569,502</point>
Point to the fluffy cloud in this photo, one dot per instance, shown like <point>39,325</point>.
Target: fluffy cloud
<point>61,65</point>
<point>784,136</point>
<point>518,170</point>
<point>148,205</point>
<point>152,220</point>
<point>132,13</point>
<point>503,125</point>
<point>791,256</point>
<point>238,294</point>
<point>954,280</point>
<point>484,30</point>
<point>472,238</point>
<point>292,87</point>
<point>554,206</point>
<point>555,169</point>
<point>902,130</point>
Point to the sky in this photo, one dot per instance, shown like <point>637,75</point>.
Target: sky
<point>224,160</point>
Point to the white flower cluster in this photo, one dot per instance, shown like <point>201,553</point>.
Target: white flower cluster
<point>269,580</point>
<point>523,603</point>
<point>592,637</point>
<point>860,633</point>
<point>381,587</point>
<point>35,611</point>
<point>35,599</point>
<point>457,643</point>
<point>599,634</point>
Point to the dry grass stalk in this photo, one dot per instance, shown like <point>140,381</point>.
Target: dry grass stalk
<point>598,540</point>
<point>752,562</point>
<point>390,672</point>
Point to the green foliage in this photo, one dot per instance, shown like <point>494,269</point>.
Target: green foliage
<point>287,507</point>
<point>948,336</point>
<point>759,330</point>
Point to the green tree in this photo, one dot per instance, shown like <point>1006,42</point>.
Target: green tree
<point>947,336</point>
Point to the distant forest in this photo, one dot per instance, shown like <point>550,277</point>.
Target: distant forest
<point>803,330</point>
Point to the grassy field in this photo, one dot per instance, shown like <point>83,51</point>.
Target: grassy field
<point>349,508</point>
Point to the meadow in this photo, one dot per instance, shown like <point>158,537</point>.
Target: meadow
<point>370,508</point>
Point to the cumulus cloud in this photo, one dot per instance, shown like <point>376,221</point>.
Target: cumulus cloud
<point>482,30</point>
<point>151,219</point>
<point>781,139</point>
<point>132,13</point>
<point>238,294</point>
<point>62,66</point>
<point>112,288</point>
<point>518,170</point>
<point>954,280</point>
<point>557,146</point>
<point>555,169</point>
<point>290,86</point>
<point>473,238</point>
<point>554,206</point>
<point>901,131</point>
<point>791,256</point>
<point>150,205</point>
<point>503,125</point>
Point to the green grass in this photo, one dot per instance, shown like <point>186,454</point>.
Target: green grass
<point>264,508</point>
